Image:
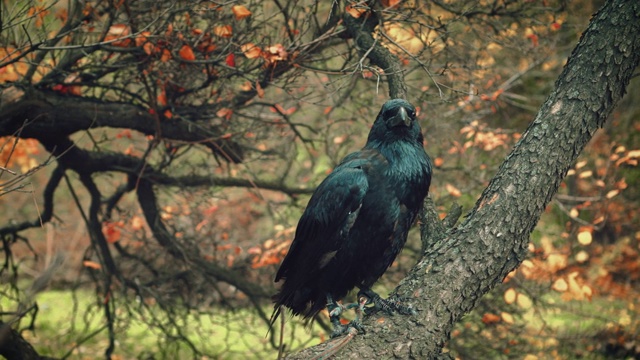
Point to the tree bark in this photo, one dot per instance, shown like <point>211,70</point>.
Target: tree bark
<point>474,257</point>
<point>45,115</point>
<point>14,347</point>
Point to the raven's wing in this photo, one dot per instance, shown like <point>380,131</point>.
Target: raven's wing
<point>327,219</point>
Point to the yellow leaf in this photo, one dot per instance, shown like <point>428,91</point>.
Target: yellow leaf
<point>510,296</point>
<point>587,291</point>
<point>506,317</point>
<point>560,285</point>
<point>574,213</point>
<point>452,190</point>
<point>585,237</point>
<point>585,174</point>
<point>581,164</point>
<point>575,290</point>
<point>240,12</point>
<point>625,319</point>
<point>582,256</point>
<point>524,301</point>
<point>556,261</point>
<point>547,245</point>
<point>612,193</point>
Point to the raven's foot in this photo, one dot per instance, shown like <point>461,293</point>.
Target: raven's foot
<point>389,306</point>
<point>353,327</point>
<point>335,310</point>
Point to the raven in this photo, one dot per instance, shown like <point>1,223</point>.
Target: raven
<point>357,220</point>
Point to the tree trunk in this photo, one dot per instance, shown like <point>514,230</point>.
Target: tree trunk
<point>14,347</point>
<point>464,263</point>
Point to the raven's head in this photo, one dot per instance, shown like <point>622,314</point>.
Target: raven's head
<point>396,120</point>
<point>397,112</point>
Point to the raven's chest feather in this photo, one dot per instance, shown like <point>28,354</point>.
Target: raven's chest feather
<point>409,172</point>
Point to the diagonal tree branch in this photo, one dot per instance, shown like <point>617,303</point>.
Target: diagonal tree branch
<point>493,240</point>
<point>361,30</point>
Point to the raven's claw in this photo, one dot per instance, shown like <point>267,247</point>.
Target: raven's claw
<point>389,306</point>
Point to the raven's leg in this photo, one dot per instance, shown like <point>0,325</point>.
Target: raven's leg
<point>389,306</point>
<point>357,322</point>
<point>335,309</point>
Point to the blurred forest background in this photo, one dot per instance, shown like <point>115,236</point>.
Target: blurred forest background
<point>156,155</point>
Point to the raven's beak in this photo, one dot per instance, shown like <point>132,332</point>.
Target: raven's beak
<point>401,118</point>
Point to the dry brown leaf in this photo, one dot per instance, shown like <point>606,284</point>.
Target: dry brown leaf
<point>240,12</point>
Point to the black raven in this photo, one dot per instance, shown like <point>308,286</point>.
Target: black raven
<point>358,218</point>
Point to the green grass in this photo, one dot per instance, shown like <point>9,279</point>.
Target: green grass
<point>77,328</point>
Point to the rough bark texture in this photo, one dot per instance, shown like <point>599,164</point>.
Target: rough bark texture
<point>362,30</point>
<point>464,264</point>
<point>49,119</point>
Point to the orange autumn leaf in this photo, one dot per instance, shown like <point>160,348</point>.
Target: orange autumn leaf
<point>390,3</point>
<point>259,90</point>
<point>162,98</point>
<point>186,53</point>
<point>91,264</point>
<point>39,12</point>
<point>240,12</point>
<point>275,53</point>
<point>438,162</point>
<point>230,60</point>
<point>246,86</point>
<point>223,31</point>
<point>137,223</point>
<point>142,40</point>
<point>354,12</point>
<point>489,318</point>
<point>111,231</point>
<point>452,190</point>
<point>250,50</point>
<point>166,55</point>
<point>62,14</point>
<point>117,35</point>
<point>224,113</point>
